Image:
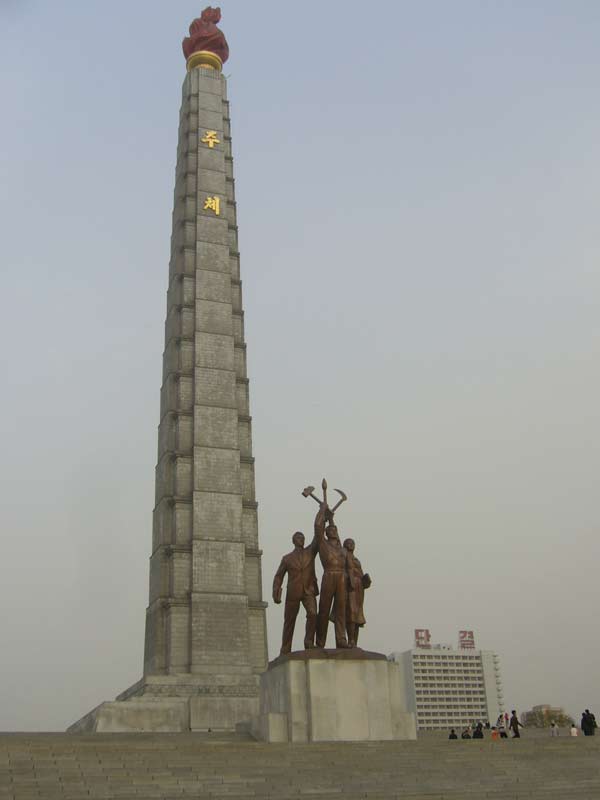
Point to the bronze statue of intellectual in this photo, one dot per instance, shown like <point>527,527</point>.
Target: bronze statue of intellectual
<point>357,582</point>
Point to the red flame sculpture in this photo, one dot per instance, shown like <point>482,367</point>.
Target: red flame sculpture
<point>205,36</point>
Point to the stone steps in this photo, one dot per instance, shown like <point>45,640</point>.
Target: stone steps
<point>170,766</point>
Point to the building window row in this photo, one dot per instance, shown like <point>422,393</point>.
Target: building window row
<point>447,685</point>
<point>441,708</point>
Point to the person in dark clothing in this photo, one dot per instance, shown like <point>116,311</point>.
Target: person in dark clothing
<point>465,734</point>
<point>588,723</point>
<point>453,734</point>
<point>478,732</point>
<point>514,725</point>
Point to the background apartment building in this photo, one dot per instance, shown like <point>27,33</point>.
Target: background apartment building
<point>450,687</point>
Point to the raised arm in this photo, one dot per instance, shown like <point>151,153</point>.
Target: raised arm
<point>319,531</point>
<point>320,526</point>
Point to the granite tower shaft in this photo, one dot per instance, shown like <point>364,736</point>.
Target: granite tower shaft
<point>206,639</point>
<point>206,613</point>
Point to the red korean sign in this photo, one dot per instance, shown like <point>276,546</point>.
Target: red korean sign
<point>466,640</point>
<point>422,637</point>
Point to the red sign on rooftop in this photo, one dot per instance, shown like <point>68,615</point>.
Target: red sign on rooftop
<point>466,640</point>
<point>422,638</point>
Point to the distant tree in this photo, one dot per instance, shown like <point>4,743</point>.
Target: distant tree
<point>544,717</point>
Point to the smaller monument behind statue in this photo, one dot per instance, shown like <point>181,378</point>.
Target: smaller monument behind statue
<point>340,694</point>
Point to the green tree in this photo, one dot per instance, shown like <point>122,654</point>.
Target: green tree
<point>544,717</point>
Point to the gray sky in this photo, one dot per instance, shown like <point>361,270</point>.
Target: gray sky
<point>417,187</point>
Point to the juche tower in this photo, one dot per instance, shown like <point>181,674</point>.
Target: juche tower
<point>205,623</point>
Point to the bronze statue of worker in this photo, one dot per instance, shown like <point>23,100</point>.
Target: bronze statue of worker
<point>333,559</point>
<point>333,583</point>
<point>302,587</point>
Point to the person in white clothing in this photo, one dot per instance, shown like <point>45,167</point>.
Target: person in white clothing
<point>574,731</point>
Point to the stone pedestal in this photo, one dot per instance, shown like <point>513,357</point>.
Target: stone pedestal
<point>136,716</point>
<point>177,703</point>
<point>331,696</point>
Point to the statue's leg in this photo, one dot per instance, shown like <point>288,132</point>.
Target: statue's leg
<point>340,610</point>
<point>289,622</point>
<point>310,604</point>
<point>350,626</point>
<point>325,601</point>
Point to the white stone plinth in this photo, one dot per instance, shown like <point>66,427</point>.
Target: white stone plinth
<point>177,703</point>
<point>171,715</point>
<point>332,696</point>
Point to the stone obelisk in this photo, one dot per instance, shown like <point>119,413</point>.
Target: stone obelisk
<point>205,623</point>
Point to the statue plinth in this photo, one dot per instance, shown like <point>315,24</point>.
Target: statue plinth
<point>345,695</point>
<point>337,654</point>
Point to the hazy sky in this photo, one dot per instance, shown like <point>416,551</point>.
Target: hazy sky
<point>418,191</point>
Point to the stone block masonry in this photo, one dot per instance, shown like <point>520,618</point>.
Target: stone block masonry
<point>165,767</point>
<point>205,622</point>
<point>205,463</point>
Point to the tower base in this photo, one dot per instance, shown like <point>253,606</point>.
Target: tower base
<point>175,704</point>
<point>333,696</point>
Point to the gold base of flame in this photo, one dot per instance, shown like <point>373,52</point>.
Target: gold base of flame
<point>204,58</point>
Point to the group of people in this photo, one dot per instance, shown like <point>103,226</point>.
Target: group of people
<point>469,732</point>
<point>588,723</point>
<point>342,586</point>
<point>498,731</point>
<point>504,724</point>
<point>588,726</point>
<point>555,730</point>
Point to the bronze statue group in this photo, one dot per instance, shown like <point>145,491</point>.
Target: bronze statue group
<point>343,584</point>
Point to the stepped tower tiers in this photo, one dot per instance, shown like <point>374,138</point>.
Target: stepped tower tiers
<point>205,623</point>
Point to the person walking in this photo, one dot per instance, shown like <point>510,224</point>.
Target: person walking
<point>588,723</point>
<point>554,731</point>
<point>574,731</point>
<point>514,725</point>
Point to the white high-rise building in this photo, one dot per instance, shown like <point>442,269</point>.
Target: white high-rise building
<point>450,688</point>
